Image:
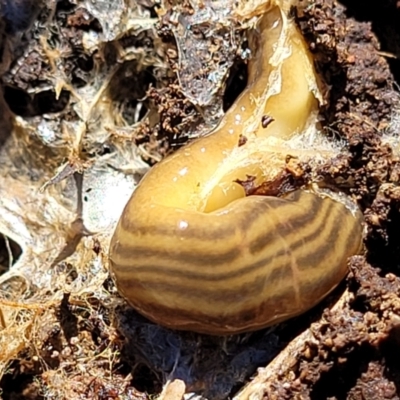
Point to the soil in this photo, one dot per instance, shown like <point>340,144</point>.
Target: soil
<point>344,350</point>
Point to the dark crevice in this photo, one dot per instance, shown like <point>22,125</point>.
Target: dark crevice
<point>391,349</point>
<point>144,380</point>
<point>23,104</point>
<point>235,84</point>
<point>384,248</point>
<point>10,251</point>
<point>384,18</point>
<point>128,88</point>
<point>15,386</point>
<point>337,382</point>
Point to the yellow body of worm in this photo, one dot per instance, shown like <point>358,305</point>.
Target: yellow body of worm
<point>192,252</point>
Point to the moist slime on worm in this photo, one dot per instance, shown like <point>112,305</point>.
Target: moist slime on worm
<point>192,252</point>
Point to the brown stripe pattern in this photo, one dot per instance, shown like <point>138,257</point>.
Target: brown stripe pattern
<point>276,259</point>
